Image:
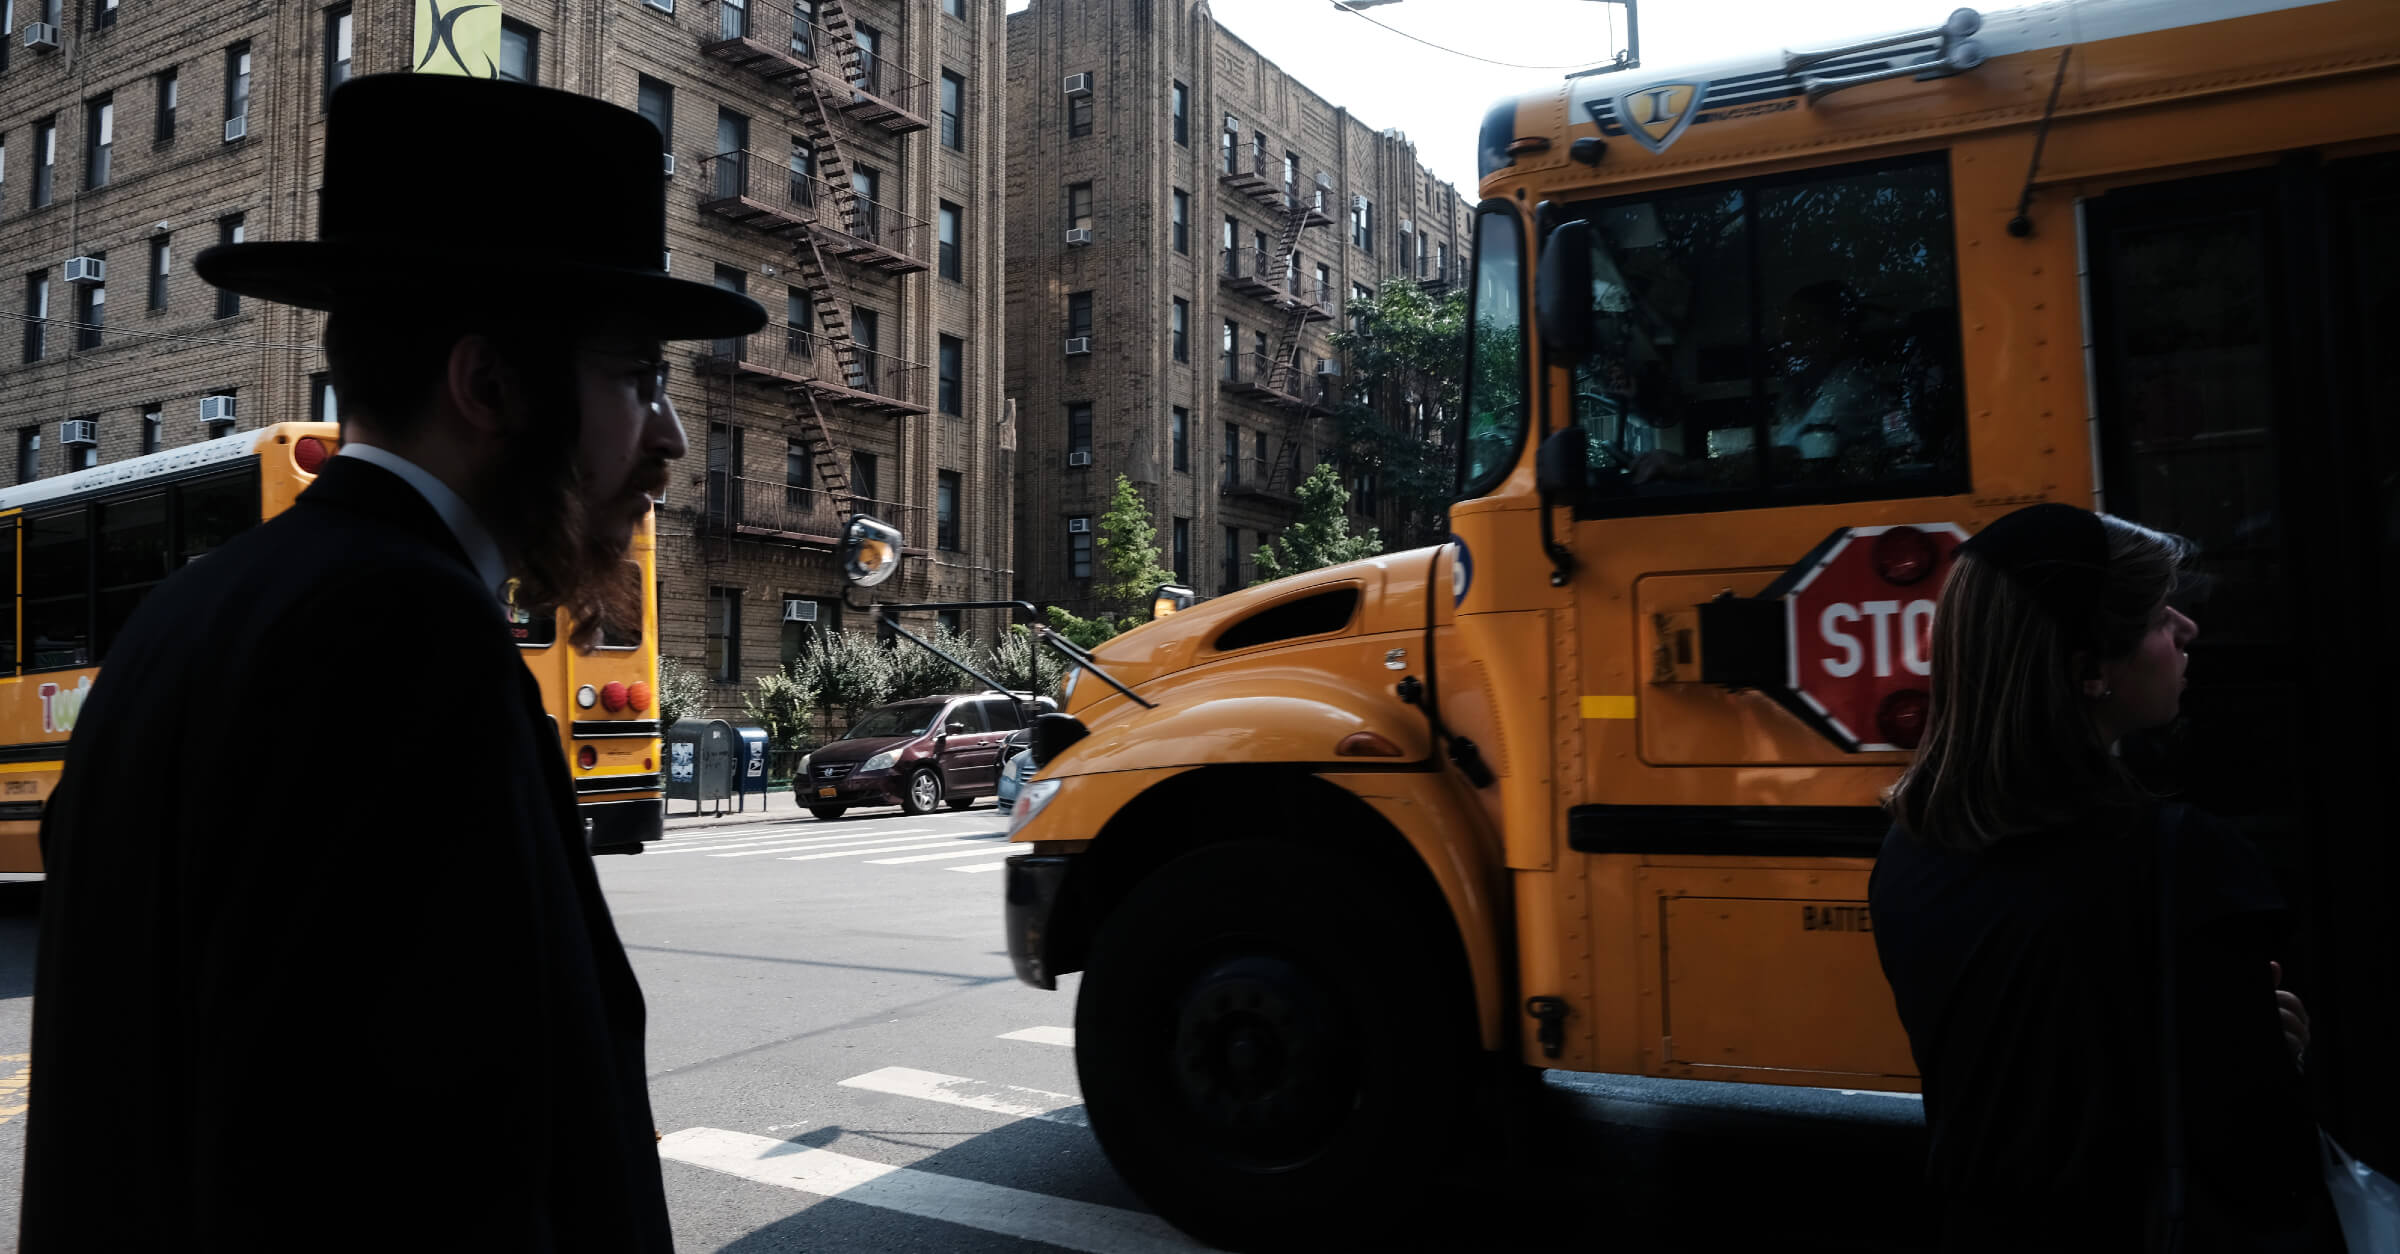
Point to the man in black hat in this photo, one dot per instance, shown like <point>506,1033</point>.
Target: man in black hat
<point>323,959</point>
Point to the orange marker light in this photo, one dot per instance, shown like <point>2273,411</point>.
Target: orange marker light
<point>1365,745</point>
<point>638,696</point>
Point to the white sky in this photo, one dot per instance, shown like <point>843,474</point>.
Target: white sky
<point>1439,99</point>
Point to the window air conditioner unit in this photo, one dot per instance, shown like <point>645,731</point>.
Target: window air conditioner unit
<point>1324,179</point>
<point>41,35</point>
<point>216,409</point>
<point>1407,225</point>
<point>1329,369</point>
<point>1080,525</point>
<point>236,128</point>
<point>79,431</point>
<point>86,270</point>
<point>1079,345</point>
<point>1078,459</point>
<point>1078,85</point>
<point>1079,235</point>
<point>1233,125</point>
<point>670,164</point>
<point>799,611</point>
<point>1359,203</point>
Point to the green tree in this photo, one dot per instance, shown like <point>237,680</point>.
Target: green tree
<point>1407,353</point>
<point>847,670</point>
<point>682,691</point>
<point>1086,632</point>
<point>1321,536</point>
<point>1130,569</point>
<point>922,673</point>
<point>783,706</point>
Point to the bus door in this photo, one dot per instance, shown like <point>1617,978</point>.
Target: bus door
<point>2248,397</point>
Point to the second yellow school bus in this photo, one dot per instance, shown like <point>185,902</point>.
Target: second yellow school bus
<point>82,549</point>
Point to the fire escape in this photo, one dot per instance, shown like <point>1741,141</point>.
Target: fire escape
<point>1274,379</point>
<point>816,202</point>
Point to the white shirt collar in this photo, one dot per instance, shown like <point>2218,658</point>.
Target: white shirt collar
<point>490,566</point>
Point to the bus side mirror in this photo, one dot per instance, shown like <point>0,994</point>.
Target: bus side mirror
<point>1559,465</point>
<point>1562,294</point>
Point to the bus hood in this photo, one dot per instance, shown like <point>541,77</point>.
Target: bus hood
<point>1390,595</point>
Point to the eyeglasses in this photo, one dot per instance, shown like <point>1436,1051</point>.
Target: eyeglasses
<point>651,386</point>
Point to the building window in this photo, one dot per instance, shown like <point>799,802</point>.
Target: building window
<point>954,8</point>
<point>1079,545</point>
<point>104,14</point>
<point>520,52</point>
<point>170,93</point>
<point>866,331</point>
<point>799,468</point>
<point>1182,549</point>
<point>870,58</point>
<point>152,420</point>
<point>229,231</point>
<point>99,136</point>
<point>1079,115</point>
<point>1441,262</point>
<point>323,405</point>
<point>1362,225</point>
<point>1079,314</point>
<point>655,101</point>
<point>29,454</point>
<point>1323,295</point>
<point>158,272</point>
<point>1183,221</point>
<point>91,310</point>
<point>945,510</point>
<point>1230,469</point>
<point>947,245</point>
<point>951,361</point>
<point>1231,577</point>
<point>1079,207</point>
<point>1181,105</point>
<point>337,48</point>
<point>45,158</point>
<point>1180,329</point>
<point>862,476</point>
<point>802,633</point>
<point>724,659</point>
<point>1179,437</point>
<point>1229,143</point>
<point>82,456</point>
<point>37,313</point>
<point>1226,349</point>
<point>1079,428</point>
<point>237,91</point>
<point>799,314</point>
<point>954,104</point>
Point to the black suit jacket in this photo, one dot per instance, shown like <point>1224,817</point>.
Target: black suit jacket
<point>323,960</point>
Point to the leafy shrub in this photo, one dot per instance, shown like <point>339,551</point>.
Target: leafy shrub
<point>783,706</point>
<point>848,671</point>
<point>682,691</point>
<point>919,673</point>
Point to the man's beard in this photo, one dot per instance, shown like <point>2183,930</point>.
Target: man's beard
<point>564,558</point>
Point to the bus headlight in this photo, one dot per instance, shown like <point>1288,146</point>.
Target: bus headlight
<point>1030,802</point>
<point>883,761</point>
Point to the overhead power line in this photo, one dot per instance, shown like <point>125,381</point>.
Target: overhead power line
<point>105,329</point>
<point>1506,65</point>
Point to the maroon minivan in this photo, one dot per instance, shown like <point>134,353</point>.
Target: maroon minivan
<point>914,754</point>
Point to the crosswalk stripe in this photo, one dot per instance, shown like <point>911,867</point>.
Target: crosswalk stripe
<point>919,842</point>
<point>1042,1036</point>
<point>979,867</point>
<point>809,846</point>
<point>802,836</point>
<point>930,857</point>
<point>952,1090</point>
<point>1017,1213</point>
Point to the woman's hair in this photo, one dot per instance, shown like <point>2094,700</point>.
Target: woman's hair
<point>2010,746</point>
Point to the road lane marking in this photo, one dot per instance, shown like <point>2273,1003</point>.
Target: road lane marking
<point>814,845</point>
<point>993,1099</point>
<point>13,1089</point>
<point>979,867</point>
<point>995,1208</point>
<point>931,857</point>
<point>918,843</point>
<point>1042,1036</point>
<point>795,838</point>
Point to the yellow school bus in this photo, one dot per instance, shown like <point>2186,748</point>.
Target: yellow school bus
<point>1594,786</point>
<point>83,548</point>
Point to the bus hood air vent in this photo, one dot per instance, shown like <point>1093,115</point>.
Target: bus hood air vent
<point>1322,614</point>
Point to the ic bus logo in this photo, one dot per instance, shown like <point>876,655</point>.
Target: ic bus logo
<point>1656,116</point>
<point>61,705</point>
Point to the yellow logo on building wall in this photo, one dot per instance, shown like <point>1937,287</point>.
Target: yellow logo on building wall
<point>1655,116</point>
<point>458,37</point>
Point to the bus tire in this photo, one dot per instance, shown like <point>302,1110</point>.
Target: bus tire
<point>1269,1038</point>
<point>923,793</point>
<point>829,813</point>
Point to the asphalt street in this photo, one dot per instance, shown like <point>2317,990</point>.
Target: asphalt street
<point>841,1060</point>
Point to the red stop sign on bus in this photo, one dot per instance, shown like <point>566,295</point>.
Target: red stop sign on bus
<point>1858,630</point>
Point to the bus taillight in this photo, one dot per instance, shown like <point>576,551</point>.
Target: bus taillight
<point>612,696</point>
<point>587,757</point>
<point>638,696</point>
<point>308,453</point>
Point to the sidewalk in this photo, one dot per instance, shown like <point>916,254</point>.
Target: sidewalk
<point>779,808</point>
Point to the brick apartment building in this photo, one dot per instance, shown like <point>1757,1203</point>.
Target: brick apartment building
<point>1186,224</point>
<point>837,160</point>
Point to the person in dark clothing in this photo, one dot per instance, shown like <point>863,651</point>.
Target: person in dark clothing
<point>323,961</point>
<point>2015,909</point>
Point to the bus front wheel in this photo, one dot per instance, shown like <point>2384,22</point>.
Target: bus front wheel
<point>1268,1037</point>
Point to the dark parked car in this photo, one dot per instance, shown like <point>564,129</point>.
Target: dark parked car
<point>914,754</point>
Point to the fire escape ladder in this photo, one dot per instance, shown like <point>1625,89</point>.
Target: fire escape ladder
<point>833,478</point>
<point>834,20</point>
<point>831,321</point>
<point>816,121</point>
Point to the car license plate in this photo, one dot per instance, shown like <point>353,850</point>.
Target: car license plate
<point>825,792</point>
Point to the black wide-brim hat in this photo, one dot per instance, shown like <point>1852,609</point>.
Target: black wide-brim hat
<point>487,197</point>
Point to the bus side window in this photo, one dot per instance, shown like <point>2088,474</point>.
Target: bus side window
<point>57,590</point>
<point>132,558</point>
<point>8,637</point>
<point>211,512</point>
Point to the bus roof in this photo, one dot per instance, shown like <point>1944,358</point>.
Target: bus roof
<point>224,450</point>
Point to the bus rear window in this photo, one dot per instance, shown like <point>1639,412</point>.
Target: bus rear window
<point>1780,340</point>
